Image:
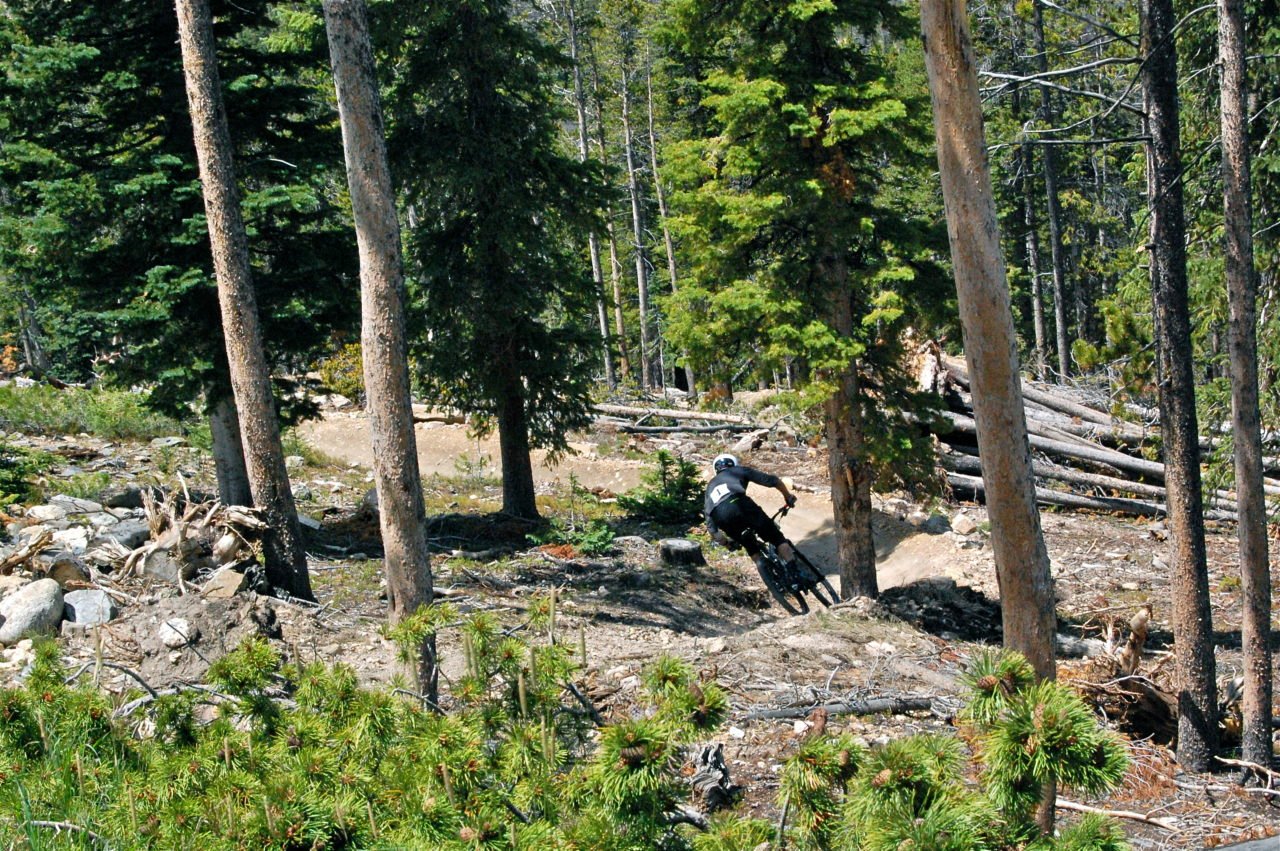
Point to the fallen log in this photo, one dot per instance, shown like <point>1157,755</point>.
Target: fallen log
<point>1059,404</point>
<point>639,429</point>
<point>965,463</point>
<point>675,414</point>
<point>1099,455</point>
<point>1065,499</point>
<point>846,707</point>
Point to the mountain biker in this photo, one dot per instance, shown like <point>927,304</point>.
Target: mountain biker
<point>730,512</point>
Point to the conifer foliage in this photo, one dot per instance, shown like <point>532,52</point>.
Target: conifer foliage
<point>280,755</point>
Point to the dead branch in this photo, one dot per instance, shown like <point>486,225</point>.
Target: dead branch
<point>26,552</point>
<point>846,707</point>
<point>1166,824</point>
<point>675,414</point>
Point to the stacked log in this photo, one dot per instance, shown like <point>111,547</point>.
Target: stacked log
<point>1083,457</point>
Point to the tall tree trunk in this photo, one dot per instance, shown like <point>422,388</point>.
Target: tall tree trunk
<point>1053,210</point>
<point>250,378</point>
<point>615,265</point>
<point>1242,295</point>
<point>847,452</point>
<point>662,215</point>
<point>637,234</point>
<point>1192,618</point>
<point>1022,561</point>
<point>593,241</point>
<point>518,496</point>
<point>1033,260</point>
<point>29,332</point>
<point>228,453</point>
<point>402,516</point>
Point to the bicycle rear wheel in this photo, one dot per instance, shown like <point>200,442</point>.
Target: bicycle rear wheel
<point>774,573</point>
<point>818,578</point>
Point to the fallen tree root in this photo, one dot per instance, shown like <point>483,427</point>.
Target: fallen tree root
<point>1064,804</point>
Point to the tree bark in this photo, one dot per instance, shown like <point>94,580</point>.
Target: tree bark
<point>637,234</point>
<point>29,332</point>
<point>662,216</point>
<point>518,495</point>
<point>1033,261</point>
<point>847,452</point>
<point>228,454</point>
<point>1192,618</point>
<point>615,265</point>
<point>593,241</point>
<point>286,560</point>
<point>1022,562</point>
<point>1242,295</point>
<point>401,513</point>
<point>1053,208</point>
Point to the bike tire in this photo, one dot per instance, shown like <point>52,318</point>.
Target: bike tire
<point>818,576</point>
<point>793,601</point>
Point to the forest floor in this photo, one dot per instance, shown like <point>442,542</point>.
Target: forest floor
<point>939,602</point>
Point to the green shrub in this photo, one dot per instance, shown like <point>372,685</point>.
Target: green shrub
<point>111,414</point>
<point>344,372</point>
<point>18,470</point>
<point>670,493</point>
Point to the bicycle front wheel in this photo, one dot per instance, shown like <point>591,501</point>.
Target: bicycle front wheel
<point>774,573</point>
<point>819,579</point>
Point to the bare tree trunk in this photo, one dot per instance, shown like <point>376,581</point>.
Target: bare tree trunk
<point>615,266</point>
<point>401,512</point>
<point>1192,618</point>
<point>1053,210</point>
<point>1022,562</point>
<point>637,233</point>
<point>847,454</point>
<point>228,454</point>
<point>1242,295</point>
<point>662,215</point>
<point>250,378</point>
<point>29,332</point>
<point>593,242</point>
<point>1033,261</point>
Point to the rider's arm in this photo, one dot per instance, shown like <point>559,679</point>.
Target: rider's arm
<point>787,495</point>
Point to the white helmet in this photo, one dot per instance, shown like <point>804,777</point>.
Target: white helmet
<point>723,461</point>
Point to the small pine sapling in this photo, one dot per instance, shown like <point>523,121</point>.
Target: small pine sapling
<point>670,492</point>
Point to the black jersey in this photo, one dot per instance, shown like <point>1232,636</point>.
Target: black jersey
<point>732,482</point>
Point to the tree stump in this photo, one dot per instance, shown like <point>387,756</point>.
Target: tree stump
<point>681,552</point>
<point>708,775</point>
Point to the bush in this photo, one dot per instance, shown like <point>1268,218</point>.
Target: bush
<point>670,493</point>
<point>18,470</point>
<point>344,372</point>
<point>111,414</point>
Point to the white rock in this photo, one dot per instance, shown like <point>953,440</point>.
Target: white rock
<point>9,584</point>
<point>46,513</point>
<point>963,524</point>
<point>90,608</point>
<point>737,732</point>
<point>880,648</point>
<point>716,645</point>
<point>178,632</point>
<point>630,683</point>
<point>75,539</point>
<point>294,462</point>
<point>75,505</point>
<point>31,610</point>
<point>800,726</point>
<point>224,583</point>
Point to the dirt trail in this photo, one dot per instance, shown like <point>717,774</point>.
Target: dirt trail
<point>905,554</point>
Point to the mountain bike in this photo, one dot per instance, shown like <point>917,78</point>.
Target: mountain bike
<point>779,578</point>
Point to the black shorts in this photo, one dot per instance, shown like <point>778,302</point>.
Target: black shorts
<point>738,516</point>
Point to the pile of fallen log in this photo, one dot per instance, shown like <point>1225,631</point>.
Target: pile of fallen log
<point>1083,457</point>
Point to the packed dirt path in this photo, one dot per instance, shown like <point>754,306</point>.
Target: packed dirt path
<point>445,449</point>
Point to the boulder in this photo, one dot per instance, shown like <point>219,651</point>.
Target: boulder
<point>167,442</point>
<point>32,610</point>
<point>123,496</point>
<point>178,632</point>
<point>89,608</point>
<point>66,568</point>
<point>130,534</point>
<point>76,505</point>
<point>73,540</point>
<point>224,583</point>
<point>9,584</point>
<point>161,565</point>
<point>294,462</point>
<point>46,513</point>
<point>963,524</point>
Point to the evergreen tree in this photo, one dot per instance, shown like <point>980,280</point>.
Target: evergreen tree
<point>496,212</point>
<point>793,252</point>
<point>101,220</point>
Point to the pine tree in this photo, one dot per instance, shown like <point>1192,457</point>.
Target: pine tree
<point>497,212</point>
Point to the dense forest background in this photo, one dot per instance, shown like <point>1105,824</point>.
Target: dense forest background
<point>629,178</point>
